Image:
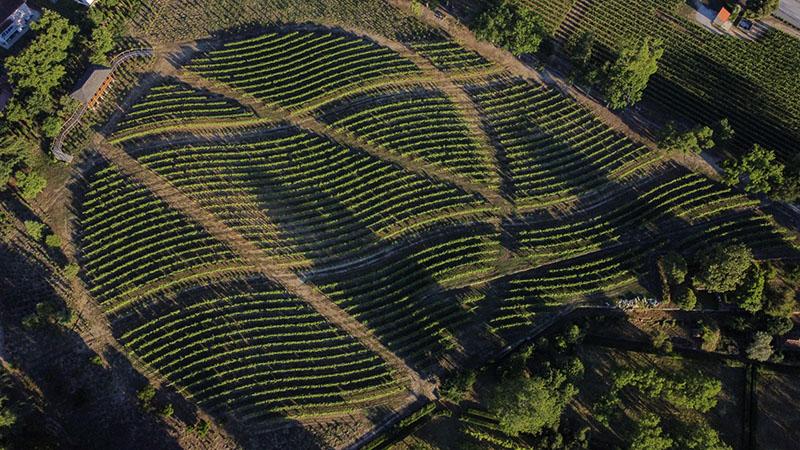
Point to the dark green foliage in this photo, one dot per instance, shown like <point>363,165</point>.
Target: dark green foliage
<point>750,293</point>
<point>675,268</point>
<point>580,47</point>
<point>691,390</point>
<point>512,27</point>
<point>530,404</point>
<point>39,68</point>
<point>758,171</point>
<point>685,298</point>
<point>14,152</point>
<point>29,183</point>
<point>710,335</point>
<point>779,300</point>
<point>723,132</point>
<point>145,396</point>
<point>628,75</point>
<point>455,388</point>
<point>47,313</point>
<point>649,435</point>
<point>700,437</point>
<point>168,410</point>
<point>758,9</point>
<point>34,229</point>
<point>71,270</point>
<point>691,141</point>
<point>723,267</point>
<point>778,326</point>
<point>760,349</point>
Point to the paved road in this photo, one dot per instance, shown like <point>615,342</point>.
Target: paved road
<point>789,10</point>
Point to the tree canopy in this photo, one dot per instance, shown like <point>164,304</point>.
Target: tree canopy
<point>723,267</point>
<point>761,347</point>
<point>511,26</point>
<point>757,170</point>
<point>648,434</point>
<point>750,293</point>
<point>39,68</point>
<point>628,75</point>
<point>530,404</point>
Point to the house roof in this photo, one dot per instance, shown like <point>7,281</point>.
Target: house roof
<point>89,83</point>
<point>7,7</point>
<point>723,15</point>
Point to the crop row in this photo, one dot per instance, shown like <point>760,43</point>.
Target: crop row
<point>304,196</point>
<point>553,146</point>
<point>301,66</point>
<point>172,103</point>
<point>417,123</point>
<point>246,346</point>
<point>448,56</point>
<point>406,300</point>
<point>130,238</point>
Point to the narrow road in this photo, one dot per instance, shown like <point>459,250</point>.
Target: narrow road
<point>252,255</point>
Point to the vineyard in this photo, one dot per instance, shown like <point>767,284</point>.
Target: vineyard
<point>705,76</point>
<point>303,224</point>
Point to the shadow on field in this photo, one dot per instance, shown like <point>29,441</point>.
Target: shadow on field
<point>84,405</point>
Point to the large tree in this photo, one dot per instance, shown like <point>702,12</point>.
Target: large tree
<point>511,26</point>
<point>628,75</point>
<point>525,404</point>
<point>723,267</point>
<point>39,68</point>
<point>757,170</point>
<point>750,293</point>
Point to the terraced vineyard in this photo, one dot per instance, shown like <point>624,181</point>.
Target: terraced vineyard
<point>246,348</point>
<point>364,224</point>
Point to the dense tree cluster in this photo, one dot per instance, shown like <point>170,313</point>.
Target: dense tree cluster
<point>758,171</point>
<point>511,26</point>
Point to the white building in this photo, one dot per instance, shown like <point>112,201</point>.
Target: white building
<point>16,17</point>
<point>86,2</point>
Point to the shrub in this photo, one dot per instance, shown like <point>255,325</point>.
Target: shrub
<point>685,298</point>
<point>71,270</point>
<point>34,229</point>
<point>30,184</point>
<point>710,335</point>
<point>52,240</point>
<point>455,388</point>
<point>760,349</point>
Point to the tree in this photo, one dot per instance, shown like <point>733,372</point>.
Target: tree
<point>7,415</point>
<point>511,26</point>
<point>691,141</point>
<point>146,395</point>
<point>674,267</point>
<point>757,169</point>
<point>71,270</point>
<point>779,300</point>
<point>760,349</point>
<point>39,68</point>
<point>580,48</point>
<point>758,9</point>
<point>649,435</point>
<point>723,267</point>
<point>14,152</point>
<point>52,240</point>
<point>723,132</point>
<point>34,229</point>
<point>701,437</point>
<point>455,388</point>
<point>686,298</point>
<point>530,404</point>
<point>750,293</point>
<point>29,184</point>
<point>628,76</point>
<point>710,336</point>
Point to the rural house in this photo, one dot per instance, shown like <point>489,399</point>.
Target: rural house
<point>92,85</point>
<point>723,19</point>
<point>16,17</point>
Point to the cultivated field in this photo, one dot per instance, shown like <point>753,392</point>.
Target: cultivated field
<point>311,224</point>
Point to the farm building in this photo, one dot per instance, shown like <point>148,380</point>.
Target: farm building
<point>92,85</point>
<point>723,19</point>
<point>16,16</point>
